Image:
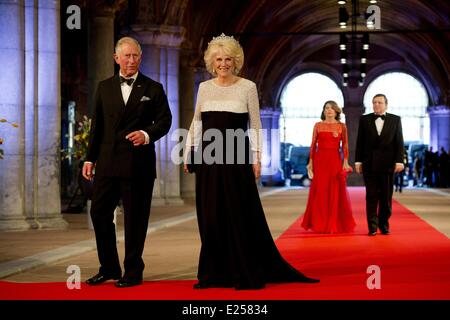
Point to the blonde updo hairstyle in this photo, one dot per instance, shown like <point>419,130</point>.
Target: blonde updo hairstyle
<point>229,46</point>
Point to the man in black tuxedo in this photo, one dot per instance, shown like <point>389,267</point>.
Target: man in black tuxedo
<point>379,154</point>
<point>131,113</point>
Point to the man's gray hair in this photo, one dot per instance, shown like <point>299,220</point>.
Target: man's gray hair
<point>128,40</point>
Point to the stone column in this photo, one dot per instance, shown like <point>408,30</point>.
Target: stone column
<point>160,61</point>
<point>439,126</point>
<point>352,114</point>
<point>270,163</point>
<point>30,173</point>
<point>31,56</point>
<point>47,213</point>
<point>100,49</point>
<point>187,108</point>
<point>12,93</point>
<point>190,79</point>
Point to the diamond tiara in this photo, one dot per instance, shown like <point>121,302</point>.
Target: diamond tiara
<point>222,37</point>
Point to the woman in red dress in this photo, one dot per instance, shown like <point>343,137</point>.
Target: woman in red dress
<point>328,209</point>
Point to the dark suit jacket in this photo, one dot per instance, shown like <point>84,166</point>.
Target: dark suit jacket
<point>379,153</point>
<point>147,109</point>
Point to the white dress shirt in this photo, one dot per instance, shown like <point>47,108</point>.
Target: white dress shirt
<point>379,124</point>
<point>125,88</point>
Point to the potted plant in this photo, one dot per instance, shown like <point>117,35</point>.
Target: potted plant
<point>79,152</point>
<point>15,125</point>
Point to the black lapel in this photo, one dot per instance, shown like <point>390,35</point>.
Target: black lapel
<point>373,127</point>
<point>133,100</point>
<point>117,98</point>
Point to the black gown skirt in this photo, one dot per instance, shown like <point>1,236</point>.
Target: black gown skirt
<point>237,247</point>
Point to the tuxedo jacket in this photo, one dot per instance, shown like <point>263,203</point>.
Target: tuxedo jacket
<point>379,153</point>
<point>146,109</point>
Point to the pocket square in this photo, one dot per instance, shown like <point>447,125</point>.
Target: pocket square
<point>145,98</point>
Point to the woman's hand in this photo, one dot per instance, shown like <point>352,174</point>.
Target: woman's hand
<point>309,167</point>
<point>257,170</point>
<point>185,168</point>
<point>346,167</point>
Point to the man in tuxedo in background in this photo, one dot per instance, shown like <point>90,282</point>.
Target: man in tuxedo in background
<point>131,114</point>
<point>379,155</point>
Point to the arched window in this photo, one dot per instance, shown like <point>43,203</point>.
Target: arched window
<point>301,102</point>
<point>407,98</point>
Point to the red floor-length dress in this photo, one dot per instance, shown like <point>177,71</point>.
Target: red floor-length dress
<point>329,209</point>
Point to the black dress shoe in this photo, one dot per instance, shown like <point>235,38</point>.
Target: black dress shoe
<point>200,285</point>
<point>385,231</point>
<point>206,285</point>
<point>123,283</point>
<point>100,278</point>
<point>372,233</point>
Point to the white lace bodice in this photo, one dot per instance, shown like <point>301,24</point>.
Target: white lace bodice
<point>241,97</point>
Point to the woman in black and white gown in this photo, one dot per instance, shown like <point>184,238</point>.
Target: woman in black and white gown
<point>237,247</point>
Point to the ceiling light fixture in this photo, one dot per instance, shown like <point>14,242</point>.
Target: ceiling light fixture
<point>343,18</point>
<point>365,41</point>
<point>343,57</point>
<point>363,56</point>
<point>342,41</point>
<point>345,70</point>
<point>363,70</point>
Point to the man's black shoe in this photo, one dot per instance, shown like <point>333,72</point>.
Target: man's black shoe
<point>372,233</point>
<point>206,285</point>
<point>123,282</point>
<point>200,285</point>
<point>385,231</point>
<point>100,278</point>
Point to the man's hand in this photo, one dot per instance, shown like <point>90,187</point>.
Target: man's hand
<point>257,170</point>
<point>399,167</point>
<point>358,168</point>
<point>136,137</point>
<point>88,170</point>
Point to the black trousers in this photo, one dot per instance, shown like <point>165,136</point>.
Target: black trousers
<point>136,195</point>
<point>379,189</point>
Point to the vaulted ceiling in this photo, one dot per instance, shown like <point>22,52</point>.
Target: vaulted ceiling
<point>284,38</point>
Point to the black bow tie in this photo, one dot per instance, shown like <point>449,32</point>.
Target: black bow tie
<point>382,116</point>
<point>128,81</point>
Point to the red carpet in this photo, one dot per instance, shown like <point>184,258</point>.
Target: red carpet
<point>414,262</point>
